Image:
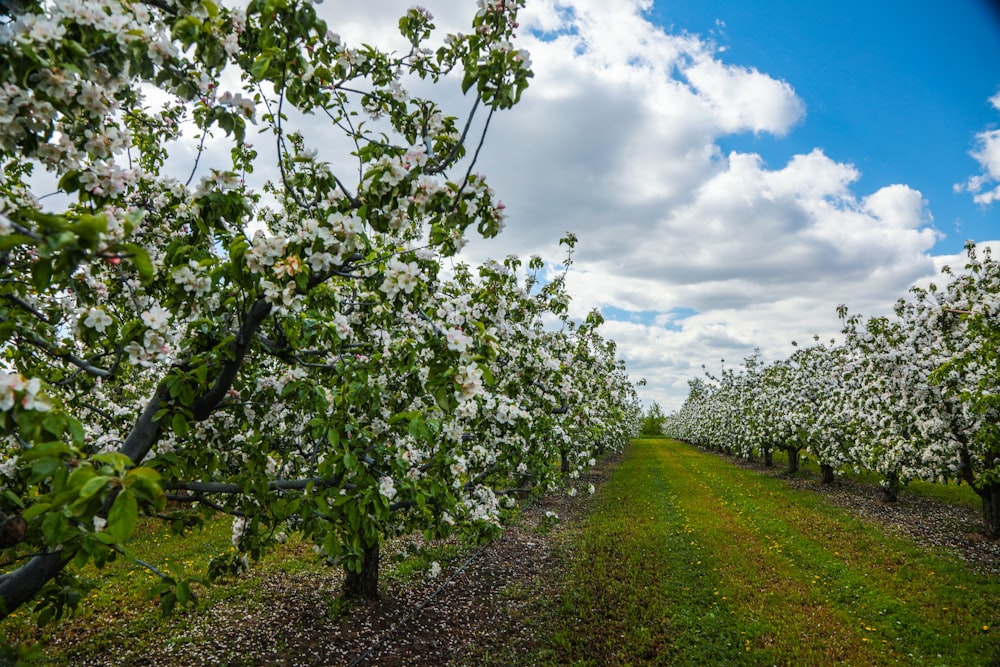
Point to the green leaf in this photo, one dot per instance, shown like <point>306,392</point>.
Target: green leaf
<point>180,425</point>
<point>117,460</point>
<point>93,486</point>
<point>260,66</point>
<point>41,274</point>
<point>89,227</point>
<point>13,498</point>
<point>145,483</point>
<point>140,258</point>
<point>35,510</point>
<point>70,182</point>
<point>9,241</point>
<point>45,449</point>
<point>184,594</point>
<point>143,474</point>
<point>105,538</point>
<point>54,527</point>
<point>123,516</point>
<point>471,75</point>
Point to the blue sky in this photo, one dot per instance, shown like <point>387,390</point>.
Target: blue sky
<point>734,171</point>
<point>896,88</point>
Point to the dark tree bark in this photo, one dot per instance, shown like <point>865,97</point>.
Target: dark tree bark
<point>768,457</point>
<point>991,510</point>
<point>363,584</point>
<point>23,584</point>
<point>990,493</point>
<point>826,472</point>
<point>793,461</point>
<point>890,487</point>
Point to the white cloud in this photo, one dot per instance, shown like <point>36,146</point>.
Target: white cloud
<point>985,187</point>
<point>709,255</point>
<point>743,99</point>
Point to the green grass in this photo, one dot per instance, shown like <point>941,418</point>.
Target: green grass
<point>688,560</point>
<point>118,611</point>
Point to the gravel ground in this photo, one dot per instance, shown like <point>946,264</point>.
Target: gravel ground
<point>482,604</point>
<point>475,608</point>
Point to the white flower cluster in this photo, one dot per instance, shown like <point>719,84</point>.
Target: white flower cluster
<point>482,505</point>
<point>193,278</point>
<point>96,319</point>
<point>399,277</point>
<point>15,389</point>
<point>8,466</point>
<point>387,488</point>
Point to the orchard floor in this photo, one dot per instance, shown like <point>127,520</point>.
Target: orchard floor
<point>929,522</point>
<point>479,605</point>
<point>486,604</point>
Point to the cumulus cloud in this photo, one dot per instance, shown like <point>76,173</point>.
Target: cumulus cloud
<point>985,187</point>
<point>695,255</point>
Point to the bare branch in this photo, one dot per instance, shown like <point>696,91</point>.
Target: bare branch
<point>276,485</point>
<point>82,364</point>
<point>198,498</point>
<point>445,163</point>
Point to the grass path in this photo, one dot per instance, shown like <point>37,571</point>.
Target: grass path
<point>688,560</point>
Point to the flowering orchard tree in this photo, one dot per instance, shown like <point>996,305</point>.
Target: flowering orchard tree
<point>780,416</point>
<point>824,388</point>
<point>758,409</point>
<point>886,390</point>
<point>276,338</point>
<point>959,324</point>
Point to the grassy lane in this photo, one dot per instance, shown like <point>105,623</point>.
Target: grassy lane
<point>688,560</point>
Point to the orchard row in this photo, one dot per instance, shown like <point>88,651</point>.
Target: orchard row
<point>914,395</point>
<point>279,333</point>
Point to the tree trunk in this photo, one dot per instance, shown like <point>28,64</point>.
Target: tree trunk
<point>793,461</point>
<point>826,471</point>
<point>768,457</point>
<point>991,510</point>
<point>890,487</point>
<point>363,584</point>
<point>564,461</point>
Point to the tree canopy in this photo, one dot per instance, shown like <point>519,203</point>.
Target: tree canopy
<point>275,330</point>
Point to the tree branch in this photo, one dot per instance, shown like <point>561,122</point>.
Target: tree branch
<point>203,406</point>
<point>276,485</point>
<point>82,364</point>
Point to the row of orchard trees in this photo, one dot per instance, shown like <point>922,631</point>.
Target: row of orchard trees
<point>299,353</point>
<point>914,395</point>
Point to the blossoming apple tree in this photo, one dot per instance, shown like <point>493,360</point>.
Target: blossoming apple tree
<point>956,327</point>
<point>265,330</point>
